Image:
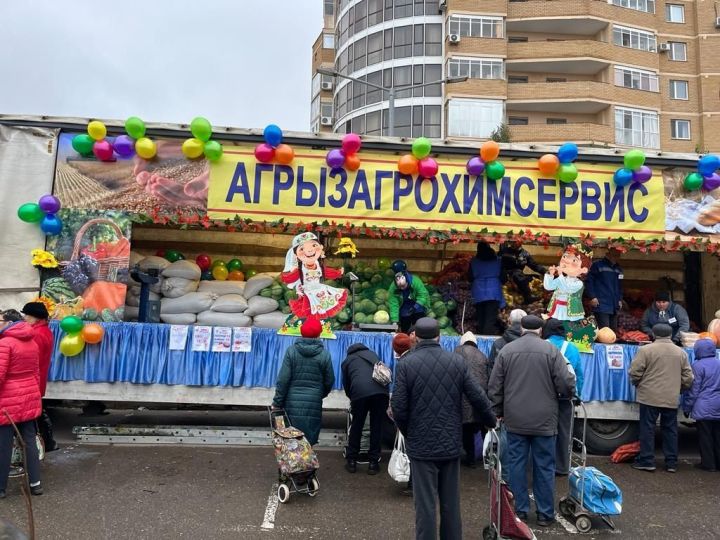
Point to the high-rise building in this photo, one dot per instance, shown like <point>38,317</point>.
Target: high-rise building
<point>638,73</point>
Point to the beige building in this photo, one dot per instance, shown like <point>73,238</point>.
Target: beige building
<point>640,73</point>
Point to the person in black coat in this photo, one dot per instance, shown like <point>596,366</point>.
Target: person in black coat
<point>365,396</point>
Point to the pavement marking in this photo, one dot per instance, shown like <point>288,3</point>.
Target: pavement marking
<point>272,506</point>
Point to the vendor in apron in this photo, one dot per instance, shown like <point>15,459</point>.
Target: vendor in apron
<point>664,310</point>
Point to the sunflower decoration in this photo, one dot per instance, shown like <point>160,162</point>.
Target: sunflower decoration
<point>49,303</point>
<point>346,247</point>
<point>43,259</point>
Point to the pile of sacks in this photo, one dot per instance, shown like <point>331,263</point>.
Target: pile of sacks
<point>185,299</point>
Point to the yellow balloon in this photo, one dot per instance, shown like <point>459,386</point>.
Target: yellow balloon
<point>145,148</point>
<point>220,273</point>
<point>97,130</point>
<point>72,344</point>
<point>193,148</point>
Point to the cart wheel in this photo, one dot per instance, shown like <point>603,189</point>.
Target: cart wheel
<point>583,523</point>
<point>565,508</point>
<point>313,486</point>
<point>489,533</point>
<point>283,493</point>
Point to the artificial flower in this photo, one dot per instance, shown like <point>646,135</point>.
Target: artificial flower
<point>44,259</point>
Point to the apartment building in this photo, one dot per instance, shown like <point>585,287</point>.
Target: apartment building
<point>640,73</point>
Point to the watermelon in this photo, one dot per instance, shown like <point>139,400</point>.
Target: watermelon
<point>332,283</point>
<point>435,297</point>
<point>58,290</point>
<point>90,314</point>
<point>439,309</point>
<point>107,315</point>
<point>286,310</point>
<point>368,307</point>
<point>376,279</point>
<point>381,317</point>
<point>266,292</point>
<point>290,294</point>
<point>389,273</point>
<point>277,291</point>
<point>343,316</point>
<point>431,314</point>
<point>359,318</point>
<point>451,305</point>
<point>444,322</point>
<point>366,285</point>
<point>383,307</point>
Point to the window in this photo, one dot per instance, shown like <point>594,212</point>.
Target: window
<point>375,12</point>
<point>517,39</point>
<point>680,129</point>
<point>679,90</point>
<point>433,39</point>
<point>474,117</point>
<point>360,53</point>
<point>360,16</point>
<point>634,39</point>
<point>417,127</point>
<point>388,10</point>
<point>636,78</point>
<point>556,121</point>
<point>314,108</point>
<point>432,121</point>
<point>675,13</point>
<point>432,7</point>
<point>402,76</point>
<point>374,48</point>
<point>374,95</point>
<point>639,5</point>
<point>419,7</point>
<point>678,51</point>
<point>556,79</point>
<point>326,108</point>
<point>518,120</point>
<point>328,41</point>
<point>636,127</point>
<point>475,68</point>
<point>403,8</point>
<point>418,71</point>
<point>485,27</point>
<point>315,88</point>
<point>517,79</point>
<point>358,94</point>
<point>403,121</point>
<point>433,72</point>
<point>419,41</point>
<point>402,47</point>
<point>387,44</point>
<point>372,123</point>
<point>329,7</point>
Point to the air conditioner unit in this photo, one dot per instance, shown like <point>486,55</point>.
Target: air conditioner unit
<point>327,85</point>
<point>326,121</point>
<point>717,22</point>
<point>442,4</point>
<point>454,38</point>
<point>664,47</point>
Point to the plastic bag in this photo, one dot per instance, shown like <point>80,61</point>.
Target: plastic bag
<point>399,464</point>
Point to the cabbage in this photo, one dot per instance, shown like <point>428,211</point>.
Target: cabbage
<point>381,317</point>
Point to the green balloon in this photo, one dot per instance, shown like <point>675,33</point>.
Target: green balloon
<point>213,150</point>
<point>693,181</point>
<point>83,144</point>
<point>634,159</point>
<point>421,147</point>
<point>30,213</point>
<point>567,173</point>
<point>217,263</point>
<point>250,273</point>
<point>71,324</point>
<point>173,255</point>
<point>201,129</point>
<point>135,127</point>
<point>234,264</point>
<point>494,170</point>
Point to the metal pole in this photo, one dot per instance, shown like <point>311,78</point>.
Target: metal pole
<point>391,112</point>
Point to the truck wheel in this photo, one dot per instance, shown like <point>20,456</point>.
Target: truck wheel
<point>604,436</point>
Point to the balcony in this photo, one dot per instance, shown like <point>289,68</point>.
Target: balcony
<point>585,133</point>
<point>574,97</point>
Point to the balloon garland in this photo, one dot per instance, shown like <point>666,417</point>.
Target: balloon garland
<point>560,166</point>
<point>43,212</point>
<point>419,161</point>
<point>78,334</point>
<point>273,148</point>
<point>347,156</point>
<point>487,163</point>
<point>200,143</point>
<point>706,176</point>
<point>635,170</point>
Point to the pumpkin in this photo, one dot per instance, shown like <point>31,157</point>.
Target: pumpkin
<point>714,327</point>
<point>605,335</point>
<point>708,335</point>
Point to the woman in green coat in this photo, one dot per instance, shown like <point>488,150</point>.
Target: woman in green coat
<point>305,378</point>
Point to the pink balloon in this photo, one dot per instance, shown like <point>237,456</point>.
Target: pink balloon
<point>264,153</point>
<point>351,143</point>
<point>427,167</point>
<point>103,150</point>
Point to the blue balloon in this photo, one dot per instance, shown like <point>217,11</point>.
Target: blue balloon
<point>273,135</point>
<point>51,224</point>
<point>623,177</point>
<point>567,153</point>
<point>708,165</point>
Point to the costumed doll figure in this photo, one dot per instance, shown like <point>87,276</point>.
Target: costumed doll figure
<point>304,271</point>
<point>564,280</point>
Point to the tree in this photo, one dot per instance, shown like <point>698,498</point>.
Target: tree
<point>501,133</point>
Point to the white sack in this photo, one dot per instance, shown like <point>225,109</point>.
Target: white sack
<point>230,303</point>
<point>256,284</point>
<point>178,318</point>
<point>175,287</point>
<point>194,302</point>
<point>183,269</point>
<point>258,305</point>
<point>222,287</point>
<point>213,318</point>
<point>274,320</point>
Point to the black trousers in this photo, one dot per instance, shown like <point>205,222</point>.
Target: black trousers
<point>27,430</point>
<point>606,320</point>
<point>486,315</point>
<point>709,441</point>
<point>377,406</point>
<point>410,320</point>
<point>562,441</point>
<point>433,481</point>
<point>469,431</point>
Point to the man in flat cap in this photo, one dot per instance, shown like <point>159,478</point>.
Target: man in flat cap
<point>664,310</point>
<point>427,407</point>
<point>528,377</point>
<point>660,371</point>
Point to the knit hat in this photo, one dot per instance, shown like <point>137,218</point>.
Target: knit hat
<point>311,328</point>
<point>662,330</point>
<point>468,337</point>
<point>427,328</point>
<point>662,296</point>
<point>531,322</point>
<point>401,343</point>
<point>704,348</point>
<point>36,309</point>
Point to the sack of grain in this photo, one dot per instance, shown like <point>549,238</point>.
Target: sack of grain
<point>178,318</point>
<point>153,263</point>
<point>135,258</point>
<point>222,287</point>
<point>175,287</point>
<point>230,303</point>
<point>274,320</point>
<point>688,339</point>
<point>259,305</point>
<point>193,302</point>
<point>131,313</point>
<point>213,318</point>
<point>183,269</point>
<point>132,298</point>
<point>157,287</point>
<point>255,284</point>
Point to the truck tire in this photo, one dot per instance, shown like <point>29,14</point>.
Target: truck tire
<point>604,436</point>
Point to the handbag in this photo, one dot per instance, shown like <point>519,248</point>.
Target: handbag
<point>381,374</point>
<point>399,464</point>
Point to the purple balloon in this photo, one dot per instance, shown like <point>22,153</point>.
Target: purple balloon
<point>49,204</point>
<point>335,158</point>
<point>711,182</point>
<point>642,175</point>
<point>475,166</point>
<point>124,146</point>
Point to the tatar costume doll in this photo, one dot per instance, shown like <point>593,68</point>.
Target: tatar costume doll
<point>564,280</point>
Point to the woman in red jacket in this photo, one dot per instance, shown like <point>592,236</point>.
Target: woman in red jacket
<point>19,395</point>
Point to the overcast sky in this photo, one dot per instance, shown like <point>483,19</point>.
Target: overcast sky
<point>240,63</point>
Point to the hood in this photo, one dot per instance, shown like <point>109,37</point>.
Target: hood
<point>356,347</point>
<point>704,348</point>
<point>512,332</point>
<point>18,330</point>
<point>309,346</point>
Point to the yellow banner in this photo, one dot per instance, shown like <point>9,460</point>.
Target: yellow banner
<point>377,194</point>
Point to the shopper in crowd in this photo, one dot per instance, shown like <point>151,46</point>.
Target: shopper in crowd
<point>427,408</point>
<point>554,332</point>
<point>514,260</point>
<point>19,396</point>
<point>702,402</point>
<point>529,376</point>
<point>660,371</point>
<point>484,275</point>
<point>305,379</point>
<point>664,310</point>
<point>402,344</point>
<point>366,396</point>
<point>477,366</point>
<point>603,286</point>
<point>407,297</point>
<point>512,332</point>
<point>36,315</point>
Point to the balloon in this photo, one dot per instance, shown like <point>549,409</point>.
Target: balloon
<point>97,130</point>
<point>623,177</point>
<point>251,273</point>
<point>234,264</point>
<point>421,147</point>
<point>213,150</point>
<point>203,261</point>
<point>708,165</point>
<point>193,148</point>
<point>145,148</point>
<point>217,263</point>
<point>173,255</point>
<point>567,172</point>
<point>71,324</point>
<point>103,150</point>
<point>494,170</point>
<point>351,143</point>
<point>92,333</point>
<point>49,204</point>
<point>634,159</point>
<point>475,166</point>
<point>335,158</point>
<point>206,276</point>
<point>284,154</point>
<point>135,127</point>
<point>567,153</point>
<point>383,263</point>
<point>264,153</point>
<point>489,151</point>
<point>427,167</point>
<point>549,164</point>
<point>352,162</point>
<point>124,146</point>
<point>72,345</point>
<point>51,224</point>
<point>711,182</point>
<point>693,181</point>
<point>220,273</point>
<point>83,144</point>
<point>642,174</point>
<point>236,275</point>
<point>273,135</point>
<point>201,129</point>
<point>408,164</point>
<point>30,213</point>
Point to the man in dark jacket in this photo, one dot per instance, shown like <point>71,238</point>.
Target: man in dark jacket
<point>604,288</point>
<point>514,260</point>
<point>512,332</point>
<point>365,396</point>
<point>427,408</point>
<point>665,311</point>
<point>529,376</point>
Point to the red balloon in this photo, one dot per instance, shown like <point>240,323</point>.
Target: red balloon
<point>160,253</point>
<point>203,261</point>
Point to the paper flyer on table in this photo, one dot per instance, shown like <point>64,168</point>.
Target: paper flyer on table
<point>201,338</point>
<point>222,339</point>
<point>615,357</point>
<point>242,339</point>
<point>178,337</point>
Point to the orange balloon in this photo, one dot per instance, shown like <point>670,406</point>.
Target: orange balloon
<point>284,154</point>
<point>407,164</point>
<point>548,164</point>
<point>92,333</point>
<point>236,275</point>
<point>352,162</point>
<point>489,151</point>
